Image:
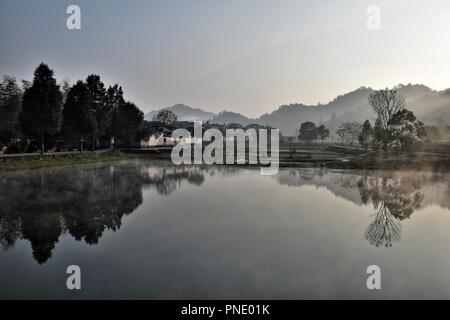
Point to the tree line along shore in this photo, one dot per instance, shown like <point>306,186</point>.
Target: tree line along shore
<point>58,123</point>
<point>43,116</point>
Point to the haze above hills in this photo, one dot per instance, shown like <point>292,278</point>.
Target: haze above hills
<point>428,105</point>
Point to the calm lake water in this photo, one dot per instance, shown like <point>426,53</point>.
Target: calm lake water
<point>145,229</point>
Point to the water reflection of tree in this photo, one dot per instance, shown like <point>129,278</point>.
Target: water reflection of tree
<point>39,206</point>
<point>384,230</point>
<point>394,195</point>
<point>395,199</point>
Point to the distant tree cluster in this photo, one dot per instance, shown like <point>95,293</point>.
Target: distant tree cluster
<point>433,134</point>
<point>165,116</point>
<point>366,135</point>
<point>438,132</point>
<point>10,107</point>
<point>309,132</point>
<point>349,132</point>
<point>41,115</point>
<point>395,126</point>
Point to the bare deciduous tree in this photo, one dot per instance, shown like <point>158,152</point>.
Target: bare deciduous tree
<point>386,103</point>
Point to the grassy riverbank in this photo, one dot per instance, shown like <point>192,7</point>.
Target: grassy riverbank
<point>335,157</point>
<point>396,162</point>
<point>54,160</point>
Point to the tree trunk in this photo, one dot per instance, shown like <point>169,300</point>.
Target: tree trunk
<point>42,141</point>
<point>93,144</point>
<point>385,150</point>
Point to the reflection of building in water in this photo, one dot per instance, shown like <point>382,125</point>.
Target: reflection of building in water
<point>82,201</point>
<point>166,179</point>
<point>160,172</point>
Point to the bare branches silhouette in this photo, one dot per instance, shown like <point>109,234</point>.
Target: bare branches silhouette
<point>395,199</point>
<point>384,230</point>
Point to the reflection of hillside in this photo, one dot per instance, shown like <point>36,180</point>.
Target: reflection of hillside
<point>84,201</point>
<point>435,186</point>
<point>340,185</point>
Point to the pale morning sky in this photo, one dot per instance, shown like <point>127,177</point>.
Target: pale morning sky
<point>248,56</point>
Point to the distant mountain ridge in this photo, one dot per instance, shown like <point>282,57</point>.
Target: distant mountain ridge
<point>225,117</point>
<point>426,103</point>
<point>184,113</point>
